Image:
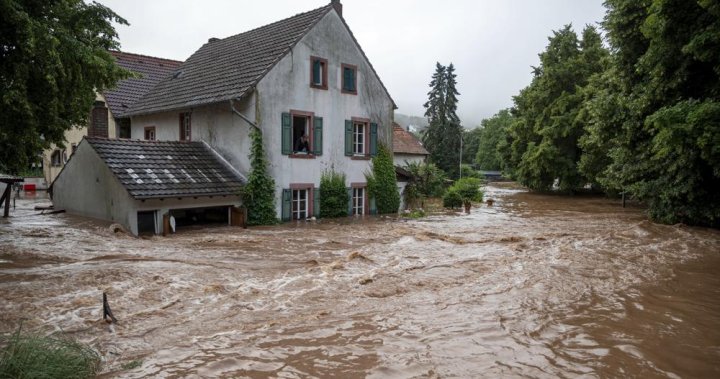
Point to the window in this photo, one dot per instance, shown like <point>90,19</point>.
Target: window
<point>318,73</point>
<point>301,134</point>
<point>123,126</point>
<point>300,200</point>
<point>359,129</point>
<point>360,138</point>
<point>349,79</point>
<point>185,126</point>
<point>150,133</point>
<point>56,159</point>
<point>358,201</point>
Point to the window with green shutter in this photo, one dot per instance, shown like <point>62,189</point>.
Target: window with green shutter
<point>349,79</point>
<point>286,204</point>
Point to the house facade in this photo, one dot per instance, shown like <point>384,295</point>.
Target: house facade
<point>107,117</point>
<point>304,82</point>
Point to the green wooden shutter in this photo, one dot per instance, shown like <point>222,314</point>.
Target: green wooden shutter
<point>316,202</point>
<point>286,134</point>
<point>286,204</point>
<point>348,138</point>
<point>346,79</point>
<point>350,204</point>
<point>373,138</point>
<point>316,79</point>
<point>373,207</point>
<point>353,79</point>
<point>317,135</point>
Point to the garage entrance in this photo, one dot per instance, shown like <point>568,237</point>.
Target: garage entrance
<point>201,216</point>
<point>146,222</point>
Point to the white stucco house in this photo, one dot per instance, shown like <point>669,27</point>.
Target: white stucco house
<point>304,82</point>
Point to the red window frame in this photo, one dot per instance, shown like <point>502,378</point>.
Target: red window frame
<point>343,66</point>
<point>310,131</point>
<point>366,136</point>
<point>324,80</point>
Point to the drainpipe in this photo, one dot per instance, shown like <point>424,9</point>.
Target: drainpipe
<point>247,119</point>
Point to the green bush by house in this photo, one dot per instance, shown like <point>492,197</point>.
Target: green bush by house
<point>333,195</point>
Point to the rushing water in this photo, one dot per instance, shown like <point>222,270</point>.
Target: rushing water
<point>533,286</point>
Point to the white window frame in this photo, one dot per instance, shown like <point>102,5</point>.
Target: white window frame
<point>359,137</point>
<point>296,211</point>
<point>358,200</point>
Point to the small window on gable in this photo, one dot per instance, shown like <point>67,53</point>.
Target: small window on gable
<point>185,126</point>
<point>56,159</point>
<point>318,73</point>
<point>349,79</point>
<point>150,133</point>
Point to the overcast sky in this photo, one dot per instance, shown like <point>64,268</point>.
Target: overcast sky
<point>492,43</point>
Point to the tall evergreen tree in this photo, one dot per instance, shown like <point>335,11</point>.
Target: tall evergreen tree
<point>442,137</point>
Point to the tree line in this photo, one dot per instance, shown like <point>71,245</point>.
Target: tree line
<point>638,115</point>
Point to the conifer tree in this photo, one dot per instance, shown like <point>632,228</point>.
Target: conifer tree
<point>442,137</point>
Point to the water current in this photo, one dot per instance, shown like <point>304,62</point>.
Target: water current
<point>532,286</point>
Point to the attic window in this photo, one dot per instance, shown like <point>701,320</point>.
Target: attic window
<point>349,79</point>
<point>177,74</point>
<point>318,73</point>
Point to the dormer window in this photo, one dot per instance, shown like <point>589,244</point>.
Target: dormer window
<point>349,79</point>
<point>318,73</point>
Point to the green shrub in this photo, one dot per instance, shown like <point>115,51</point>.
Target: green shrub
<point>427,181</point>
<point>333,195</point>
<point>452,199</point>
<point>34,356</point>
<point>259,192</point>
<point>468,189</point>
<point>382,182</point>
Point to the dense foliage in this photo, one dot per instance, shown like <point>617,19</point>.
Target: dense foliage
<point>642,118</point>
<point>427,181</point>
<point>544,137</point>
<point>54,57</point>
<point>442,136</point>
<point>259,192</point>
<point>463,192</point>
<point>334,197</point>
<point>470,144</point>
<point>382,182</point>
<point>451,199</point>
<point>35,356</point>
<point>491,133</point>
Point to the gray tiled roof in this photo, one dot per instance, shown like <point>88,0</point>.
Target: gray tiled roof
<point>227,68</point>
<point>160,169</point>
<point>128,91</point>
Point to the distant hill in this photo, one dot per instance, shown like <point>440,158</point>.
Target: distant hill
<point>417,122</point>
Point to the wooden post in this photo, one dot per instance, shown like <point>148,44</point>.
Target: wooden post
<point>6,197</point>
<point>166,224</point>
<point>107,313</point>
<point>623,199</point>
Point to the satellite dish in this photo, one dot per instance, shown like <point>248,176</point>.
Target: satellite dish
<point>172,224</point>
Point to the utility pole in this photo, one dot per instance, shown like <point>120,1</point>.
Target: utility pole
<point>461,143</point>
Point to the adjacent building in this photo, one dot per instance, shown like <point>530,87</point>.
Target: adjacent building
<point>407,148</point>
<point>107,116</point>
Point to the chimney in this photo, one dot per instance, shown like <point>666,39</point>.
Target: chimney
<point>338,7</point>
<point>213,39</point>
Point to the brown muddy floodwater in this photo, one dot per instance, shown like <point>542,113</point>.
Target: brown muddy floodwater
<point>534,286</point>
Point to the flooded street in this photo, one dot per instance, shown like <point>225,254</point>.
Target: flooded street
<point>534,286</point>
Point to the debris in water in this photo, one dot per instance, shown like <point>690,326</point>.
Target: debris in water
<point>358,255</point>
<point>117,228</point>
<point>364,281</point>
<point>107,313</point>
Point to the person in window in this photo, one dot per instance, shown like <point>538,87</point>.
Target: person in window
<point>301,145</point>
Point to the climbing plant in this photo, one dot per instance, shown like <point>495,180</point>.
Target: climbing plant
<point>258,195</point>
<point>382,182</point>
